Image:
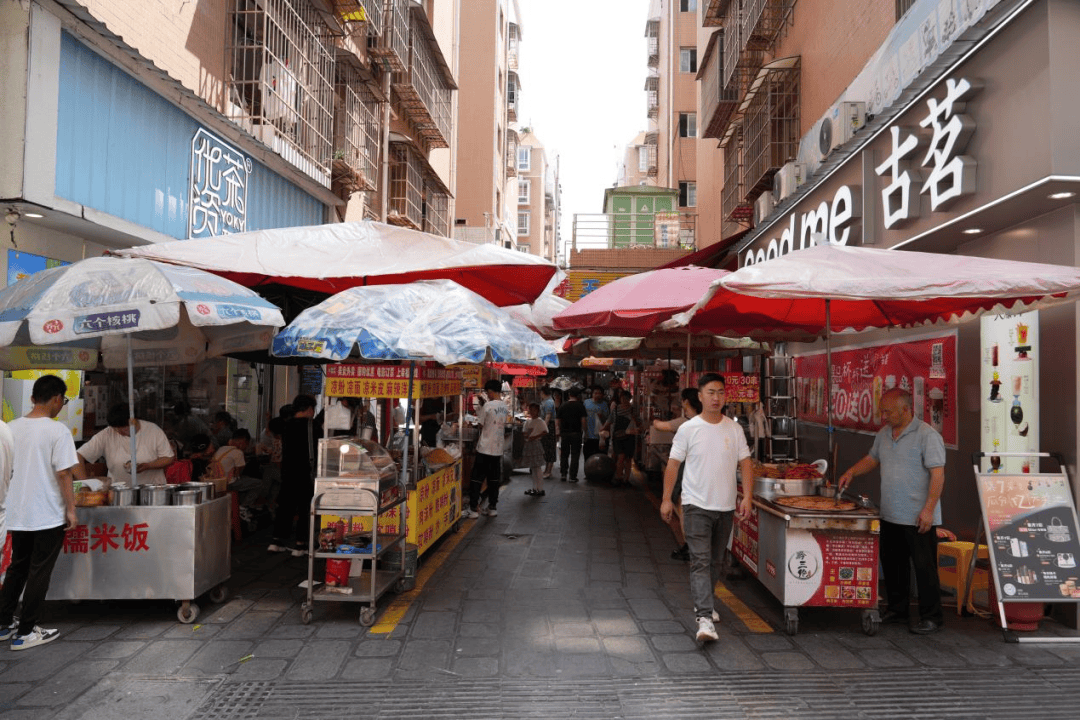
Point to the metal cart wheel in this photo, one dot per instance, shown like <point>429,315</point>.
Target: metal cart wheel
<point>367,616</point>
<point>871,622</point>
<point>791,620</point>
<point>305,613</point>
<point>399,586</point>
<point>188,612</point>
<point>219,594</point>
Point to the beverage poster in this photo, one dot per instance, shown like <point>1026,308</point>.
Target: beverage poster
<point>925,367</point>
<point>1009,390</point>
<point>1031,522</point>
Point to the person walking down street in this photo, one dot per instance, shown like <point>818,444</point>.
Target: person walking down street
<point>597,408</point>
<point>711,446</point>
<point>489,452</point>
<point>534,430</point>
<point>691,407</point>
<point>298,457</point>
<point>572,418</point>
<point>547,415</point>
<point>911,456</point>
<point>40,508</point>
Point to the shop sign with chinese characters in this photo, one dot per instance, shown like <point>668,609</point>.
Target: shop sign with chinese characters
<point>390,381</point>
<point>928,160</point>
<point>219,187</point>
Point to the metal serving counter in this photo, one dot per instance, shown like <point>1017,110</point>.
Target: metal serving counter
<point>813,558</point>
<point>139,552</point>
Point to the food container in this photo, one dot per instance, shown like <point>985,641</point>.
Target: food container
<point>205,489</point>
<point>186,497</point>
<point>91,498</point>
<point>827,491</point>
<point>155,495</point>
<point>122,495</point>
<point>780,487</point>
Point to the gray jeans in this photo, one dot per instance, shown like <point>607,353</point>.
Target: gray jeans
<point>707,533</point>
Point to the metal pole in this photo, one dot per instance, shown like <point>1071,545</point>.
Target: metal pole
<point>408,417</point>
<point>828,376</point>
<point>131,408</point>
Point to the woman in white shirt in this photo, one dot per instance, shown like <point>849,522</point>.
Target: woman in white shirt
<point>153,453</point>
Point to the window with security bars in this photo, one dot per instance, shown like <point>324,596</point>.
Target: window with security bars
<point>406,187</point>
<point>523,224</point>
<point>436,210</point>
<point>281,76</point>
<point>356,131</point>
<point>422,87</point>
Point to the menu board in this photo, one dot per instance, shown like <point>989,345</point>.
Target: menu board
<point>1032,525</point>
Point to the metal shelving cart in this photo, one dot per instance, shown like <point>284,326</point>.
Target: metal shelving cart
<point>783,440</point>
<point>357,479</point>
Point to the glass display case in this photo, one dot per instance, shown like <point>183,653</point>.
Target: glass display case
<point>355,473</point>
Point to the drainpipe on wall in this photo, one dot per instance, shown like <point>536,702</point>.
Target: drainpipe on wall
<point>384,189</point>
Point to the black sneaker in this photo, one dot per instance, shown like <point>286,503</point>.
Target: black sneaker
<point>682,553</point>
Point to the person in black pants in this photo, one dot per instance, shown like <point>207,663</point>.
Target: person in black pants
<point>572,418</point>
<point>298,457</point>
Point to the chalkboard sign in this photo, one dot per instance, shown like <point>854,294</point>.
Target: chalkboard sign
<point>311,380</point>
<point>1031,524</point>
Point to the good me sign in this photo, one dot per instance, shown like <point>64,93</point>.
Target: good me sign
<point>927,160</point>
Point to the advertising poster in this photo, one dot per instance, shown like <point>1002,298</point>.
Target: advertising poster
<point>925,367</point>
<point>738,387</point>
<point>1009,390</point>
<point>744,541</point>
<point>23,265</point>
<point>830,569</point>
<point>390,381</point>
<point>1031,522</point>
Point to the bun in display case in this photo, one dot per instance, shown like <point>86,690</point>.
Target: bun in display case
<point>356,473</point>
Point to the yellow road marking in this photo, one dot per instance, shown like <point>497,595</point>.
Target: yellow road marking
<point>749,618</point>
<point>396,610</point>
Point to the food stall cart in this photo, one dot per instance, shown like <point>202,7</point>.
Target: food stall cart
<point>147,552</point>
<point>355,478</point>
<point>433,503</point>
<point>810,550</point>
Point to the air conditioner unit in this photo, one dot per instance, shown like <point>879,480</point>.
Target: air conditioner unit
<point>839,124</point>
<point>787,180</point>
<point>763,207</point>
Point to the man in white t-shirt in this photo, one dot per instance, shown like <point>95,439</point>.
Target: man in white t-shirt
<point>489,452</point>
<point>712,446</point>
<point>153,453</point>
<point>40,508</point>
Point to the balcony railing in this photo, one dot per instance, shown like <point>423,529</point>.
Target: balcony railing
<point>718,102</point>
<point>652,102</point>
<point>636,230</point>
<point>512,48</point>
<point>652,142</point>
<point>771,124</point>
<point>360,17</point>
<point>652,33</point>
<point>406,187</point>
<point>356,131</point>
<point>513,96</point>
<point>511,153</point>
<point>436,209</point>
<point>393,46</point>
<point>734,207</point>
<point>424,87</point>
<point>763,20</point>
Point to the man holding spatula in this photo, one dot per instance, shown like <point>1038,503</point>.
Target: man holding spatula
<point>911,455</point>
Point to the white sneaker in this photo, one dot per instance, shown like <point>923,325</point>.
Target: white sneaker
<point>298,552</point>
<point>37,636</point>
<point>469,514</point>
<point>715,616</point>
<point>10,631</point>
<point>489,511</point>
<point>276,548</point>
<point>706,630</point>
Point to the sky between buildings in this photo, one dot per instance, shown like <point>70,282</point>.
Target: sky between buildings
<point>582,70</point>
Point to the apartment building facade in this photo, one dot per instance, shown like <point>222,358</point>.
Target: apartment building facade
<point>127,123</point>
<point>490,93</point>
<point>538,198</point>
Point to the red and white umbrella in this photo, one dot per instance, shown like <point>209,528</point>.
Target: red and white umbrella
<point>330,258</point>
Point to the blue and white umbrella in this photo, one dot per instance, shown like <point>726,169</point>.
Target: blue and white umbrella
<point>427,320</point>
<point>130,310</point>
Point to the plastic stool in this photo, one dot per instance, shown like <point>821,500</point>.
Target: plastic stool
<point>954,558</point>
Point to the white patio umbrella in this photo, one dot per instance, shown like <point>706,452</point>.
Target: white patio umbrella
<point>130,310</point>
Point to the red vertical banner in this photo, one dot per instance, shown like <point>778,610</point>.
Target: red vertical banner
<point>925,367</point>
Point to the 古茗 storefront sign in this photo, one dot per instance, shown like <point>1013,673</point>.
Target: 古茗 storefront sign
<point>942,173</point>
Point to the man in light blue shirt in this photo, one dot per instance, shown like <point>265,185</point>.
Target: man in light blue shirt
<point>597,407</point>
<point>911,455</point>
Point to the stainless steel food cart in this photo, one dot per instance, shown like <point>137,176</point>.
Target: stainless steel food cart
<point>356,479</point>
<point>813,558</point>
<point>176,552</point>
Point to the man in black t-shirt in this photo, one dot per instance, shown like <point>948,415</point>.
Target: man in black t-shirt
<point>572,417</point>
